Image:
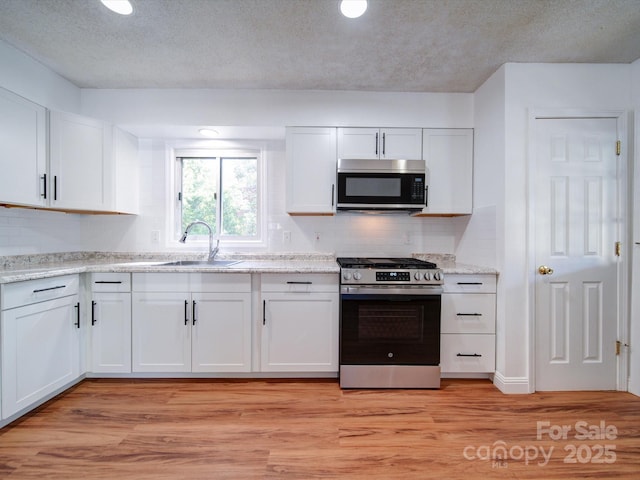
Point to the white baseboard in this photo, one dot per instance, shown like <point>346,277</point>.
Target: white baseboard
<point>512,385</point>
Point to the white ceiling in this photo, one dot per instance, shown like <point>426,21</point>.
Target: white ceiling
<point>398,45</point>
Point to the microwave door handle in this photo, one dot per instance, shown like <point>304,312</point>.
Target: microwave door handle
<point>376,144</point>
<point>426,195</point>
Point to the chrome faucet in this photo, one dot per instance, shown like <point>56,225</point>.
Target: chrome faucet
<point>212,251</point>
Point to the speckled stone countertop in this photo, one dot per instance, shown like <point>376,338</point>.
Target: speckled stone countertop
<point>32,267</point>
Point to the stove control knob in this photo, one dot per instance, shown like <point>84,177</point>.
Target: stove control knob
<point>417,276</point>
<point>346,275</point>
<point>357,276</point>
<point>437,276</point>
<point>427,276</point>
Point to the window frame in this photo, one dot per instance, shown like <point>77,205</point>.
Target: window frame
<point>219,154</point>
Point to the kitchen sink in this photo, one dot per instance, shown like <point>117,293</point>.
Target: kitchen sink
<point>202,263</point>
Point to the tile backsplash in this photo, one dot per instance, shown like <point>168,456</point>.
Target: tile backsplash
<point>25,231</point>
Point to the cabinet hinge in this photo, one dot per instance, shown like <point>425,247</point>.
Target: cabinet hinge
<point>618,147</point>
<point>618,249</point>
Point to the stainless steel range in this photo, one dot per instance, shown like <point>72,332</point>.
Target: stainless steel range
<point>389,323</point>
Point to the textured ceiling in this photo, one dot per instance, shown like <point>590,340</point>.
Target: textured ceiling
<point>398,45</point>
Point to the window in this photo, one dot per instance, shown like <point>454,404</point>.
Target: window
<point>222,189</point>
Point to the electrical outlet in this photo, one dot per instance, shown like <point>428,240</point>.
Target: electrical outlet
<point>286,236</point>
<point>155,236</point>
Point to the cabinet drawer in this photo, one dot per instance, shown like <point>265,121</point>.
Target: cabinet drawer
<point>455,283</point>
<point>467,353</point>
<point>468,313</point>
<point>111,282</point>
<point>300,282</point>
<point>191,282</point>
<point>34,291</point>
<point>160,282</point>
<point>220,282</point>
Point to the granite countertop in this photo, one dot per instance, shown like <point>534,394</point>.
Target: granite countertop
<point>21,268</point>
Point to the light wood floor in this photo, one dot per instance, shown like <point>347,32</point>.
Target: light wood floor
<point>212,429</point>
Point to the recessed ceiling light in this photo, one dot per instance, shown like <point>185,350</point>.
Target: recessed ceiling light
<point>353,8</point>
<point>209,132</point>
<point>123,7</point>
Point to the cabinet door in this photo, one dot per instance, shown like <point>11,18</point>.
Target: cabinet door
<point>358,143</point>
<point>40,351</point>
<point>221,337</point>
<point>111,333</point>
<point>402,143</point>
<point>77,162</point>
<point>311,170</point>
<point>300,332</point>
<point>23,152</point>
<point>449,160</point>
<point>161,332</point>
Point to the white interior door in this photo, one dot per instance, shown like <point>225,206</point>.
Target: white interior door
<point>576,227</point>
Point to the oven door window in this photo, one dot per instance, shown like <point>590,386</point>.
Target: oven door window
<point>394,330</point>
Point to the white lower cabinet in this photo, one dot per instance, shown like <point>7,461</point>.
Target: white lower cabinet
<point>191,322</point>
<point>110,324</point>
<point>468,324</point>
<point>299,323</point>
<point>40,325</point>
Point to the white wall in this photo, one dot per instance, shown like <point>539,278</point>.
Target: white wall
<point>342,234</point>
<point>527,87</point>
<point>634,359</point>
<point>480,243</point>
<point>26,231</point>
<point>279,108</point>
<point>25,76</point>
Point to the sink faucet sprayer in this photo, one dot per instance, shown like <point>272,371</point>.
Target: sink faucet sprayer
<point>212,251</point>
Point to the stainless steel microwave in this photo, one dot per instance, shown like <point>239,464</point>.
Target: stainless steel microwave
<point>381,185</point>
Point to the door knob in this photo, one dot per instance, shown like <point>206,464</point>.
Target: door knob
<point>544,270</point>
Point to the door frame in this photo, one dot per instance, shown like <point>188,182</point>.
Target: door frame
<point>624,232</point>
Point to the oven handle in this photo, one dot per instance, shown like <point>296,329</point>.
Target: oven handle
<point>422,291</point>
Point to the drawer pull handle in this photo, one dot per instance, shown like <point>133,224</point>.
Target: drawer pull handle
<point>299,283</point>
<point>77,307</point>
<point>93,313</point>
<point>469,314</point>
<point>468,355</point>
<point>50,288</point>
<point>109,281</point>
<point>469,283</point>
<point>264,312</point>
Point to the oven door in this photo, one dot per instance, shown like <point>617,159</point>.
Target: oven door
<point>390,328</point>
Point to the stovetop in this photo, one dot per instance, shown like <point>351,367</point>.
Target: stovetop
<point>374,262</point>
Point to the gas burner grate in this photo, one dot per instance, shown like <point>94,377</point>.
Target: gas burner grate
<point>375,262</point>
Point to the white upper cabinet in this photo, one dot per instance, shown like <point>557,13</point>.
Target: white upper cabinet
<point>448,154</point>
<point>23,151</point>
<point>79,151</point>
<point>383,143</point>
<point>311,170</point>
